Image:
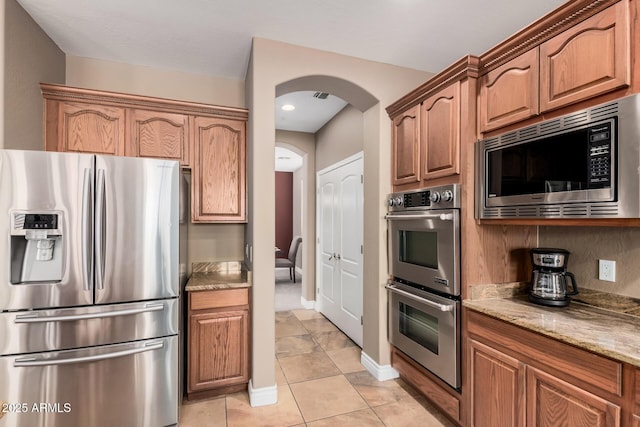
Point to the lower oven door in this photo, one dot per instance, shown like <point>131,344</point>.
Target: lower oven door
<point>425,327</point>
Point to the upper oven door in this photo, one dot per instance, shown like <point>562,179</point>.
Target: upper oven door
<point>424,248</point>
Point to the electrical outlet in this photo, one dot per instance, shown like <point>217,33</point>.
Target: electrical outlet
<point>607,270</point>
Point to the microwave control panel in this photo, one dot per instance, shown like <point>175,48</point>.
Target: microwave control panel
<point>600,155</point>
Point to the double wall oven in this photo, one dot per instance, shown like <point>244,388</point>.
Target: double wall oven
<point>424,288</point>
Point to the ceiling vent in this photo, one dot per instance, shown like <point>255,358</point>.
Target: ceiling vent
<point>321,95</point>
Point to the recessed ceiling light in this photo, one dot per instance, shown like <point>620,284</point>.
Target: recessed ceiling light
<point>288,107</point>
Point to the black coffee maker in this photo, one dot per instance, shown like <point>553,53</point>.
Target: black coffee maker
<point>549,284</point>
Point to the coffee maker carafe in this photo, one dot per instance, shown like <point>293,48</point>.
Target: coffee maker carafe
<point>549,277</point>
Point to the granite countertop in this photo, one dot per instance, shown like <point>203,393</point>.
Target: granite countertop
<point>208,276</point>
<point>602,323</point>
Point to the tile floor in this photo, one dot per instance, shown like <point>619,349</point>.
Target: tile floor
<point>320,383</point>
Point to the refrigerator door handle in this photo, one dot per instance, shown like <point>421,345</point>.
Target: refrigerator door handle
<point>99,231</point>
<point>34,318</point>
<point>32,361</point>
<point>87,229</point>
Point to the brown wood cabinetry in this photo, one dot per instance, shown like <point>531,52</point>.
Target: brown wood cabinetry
<point>521,378</point>
<point>509,93</point>
<point>86,128</point>
<point>429,125</point>
<point>553,402</point>
<point>219,176</point>
<point>578,52</point>
<point>502,375</point>
<point>405,163</point>
<point>586,60</point>
<point>218,342</point>
<point>440,133</point>
<point>160,135</point>
<point>210,139</point>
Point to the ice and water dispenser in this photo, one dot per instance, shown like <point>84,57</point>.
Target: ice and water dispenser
<point>36,247</point>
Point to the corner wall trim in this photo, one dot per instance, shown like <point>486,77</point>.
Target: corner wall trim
<point>309,305</point>
<point>263,396</point>
<point>380,372</point>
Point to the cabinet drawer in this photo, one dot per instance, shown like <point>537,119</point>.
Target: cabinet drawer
<point>217,299</point>
<point>565,361</point>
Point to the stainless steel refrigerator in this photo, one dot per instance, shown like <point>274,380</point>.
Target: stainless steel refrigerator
<point>89,287</point>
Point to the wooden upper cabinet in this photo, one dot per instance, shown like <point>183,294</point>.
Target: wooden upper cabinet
<point>586,60</point>
<point>88,128</point>
<point>440,133</point>
<point>219,175</point>
<point>405,162</point>
<point>509,93</point>
<point>159,135</point>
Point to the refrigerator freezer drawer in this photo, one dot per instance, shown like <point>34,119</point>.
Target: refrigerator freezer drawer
<point>46,330</point>
<point>131,384</point>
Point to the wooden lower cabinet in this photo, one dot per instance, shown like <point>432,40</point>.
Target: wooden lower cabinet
<point>519,378</point>
<point>218,342</point>
<point>497,387</point>
<point>553,402</point>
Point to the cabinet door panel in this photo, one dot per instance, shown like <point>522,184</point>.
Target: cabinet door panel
<point>406,147</point>
<point>497,388</point>
<point>553,402</point>
<point>218,349</point>
<point>509,93</point>
<point>88,128</point>
<point>589,59</point>
<point>159,135</point>
<point>219,171</point>
<point>440,141</point>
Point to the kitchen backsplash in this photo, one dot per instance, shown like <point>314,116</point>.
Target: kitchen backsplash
<point>589,244</point>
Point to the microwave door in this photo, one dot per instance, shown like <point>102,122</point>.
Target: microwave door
<point>47,205</point>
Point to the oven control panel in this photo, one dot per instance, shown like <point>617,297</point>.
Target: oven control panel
<point>442,197</point>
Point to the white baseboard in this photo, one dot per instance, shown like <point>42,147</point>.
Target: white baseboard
<point>299,270</point>
<point>309,305</point>
<point>380,372</point>
<point>263,396</point>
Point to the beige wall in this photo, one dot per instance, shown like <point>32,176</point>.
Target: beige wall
<point>29,57</point>
<point>141,80</point>
<point>305,145</point>
<point>589,244</point>
<point>272,64</point>
<point>206,242</point>
<point>339,138</point>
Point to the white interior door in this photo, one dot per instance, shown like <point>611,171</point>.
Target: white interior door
<point>340,237</point>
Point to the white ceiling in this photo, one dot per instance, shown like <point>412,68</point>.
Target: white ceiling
<point>310,114</point>
<point>287,160</point>
<point>213,37</point>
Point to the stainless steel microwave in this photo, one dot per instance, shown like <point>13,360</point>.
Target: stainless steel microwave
<point>581,165</point>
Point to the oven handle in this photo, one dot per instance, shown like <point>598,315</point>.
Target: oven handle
<point>442,216</point>
<point>441,307</point>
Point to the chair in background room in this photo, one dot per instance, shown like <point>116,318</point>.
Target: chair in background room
<point>290,261</point>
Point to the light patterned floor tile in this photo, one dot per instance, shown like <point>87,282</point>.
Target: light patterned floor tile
<point>284,413</point>
<point>333,340</point>
<point>411,413</point>
<point>300,344</point>
<point>308,366</point>
<point>319,325</point>
<point>307,314</point>
<point>364,418</point>
<point>347,359</point>
<point>375,392</point>
<point>326,397</point>
<point>205,413</point>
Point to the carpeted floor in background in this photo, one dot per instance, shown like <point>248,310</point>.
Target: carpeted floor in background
<point>287,293</point>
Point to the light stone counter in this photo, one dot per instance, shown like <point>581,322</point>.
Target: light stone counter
<point>207,276</point>
<point>602,323</point>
